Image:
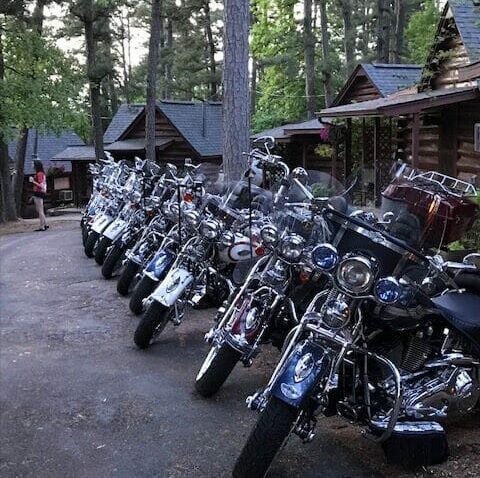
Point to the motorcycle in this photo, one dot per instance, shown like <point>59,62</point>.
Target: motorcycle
<point>375,346</point>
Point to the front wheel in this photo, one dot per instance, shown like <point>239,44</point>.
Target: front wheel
<point>267,438</point>
<point>142,290</point>
<point>126,277</point>
<point>90,243</point>
<point>217,366</point>
<point>152,324</point>
<point>101,250</point>
<point>113,262</point>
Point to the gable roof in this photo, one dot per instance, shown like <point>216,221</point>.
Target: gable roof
<point>467,18</point>
<point>390,78</point>
<point>123,118</point>
<point>49,144</point>
<point>200,123</point>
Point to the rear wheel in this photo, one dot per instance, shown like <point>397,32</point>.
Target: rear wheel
<point>90,243</point>
<point>217,366</point>
<point>152,324</point>
<point>113,262</point>
<point>126,278</point>
<point>142,290</point>
<point>101,249</point>
<point>271,431</point>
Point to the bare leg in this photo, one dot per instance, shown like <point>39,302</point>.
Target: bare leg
<point>41,213</point>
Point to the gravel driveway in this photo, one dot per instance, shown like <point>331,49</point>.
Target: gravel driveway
<point>78,399</point>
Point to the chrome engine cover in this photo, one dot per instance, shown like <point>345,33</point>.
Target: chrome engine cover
<point>443,393</point>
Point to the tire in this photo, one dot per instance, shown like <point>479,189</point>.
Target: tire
<point>90,243</point>
<point>84,234</point>
<point>153,322</point>
<point>142,290</point>
<point>270,433</point>
<point>101,250</point>
<point>126,278</point>
<point>113,262</point>
<point>219,365</point>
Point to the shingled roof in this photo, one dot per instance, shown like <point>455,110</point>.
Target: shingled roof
<point>467,19</point>
<point>49,145</point>
<point>200,123</point>
<point>123,118</point>
<point>389,78</point>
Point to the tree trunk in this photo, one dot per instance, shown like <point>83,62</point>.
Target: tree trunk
<point>126,78</point>
<point>326,69</point>
<point>349,34</point>
<point>399,27</point>
<point>309,45</point>
<point>94,84</point>
<point>383,31</point>
<point>236,117</point>
<point>168,63</point>
<point>153,60</point>
<point>253,87</point>
<point>20,169</point>
<point>211,52</point>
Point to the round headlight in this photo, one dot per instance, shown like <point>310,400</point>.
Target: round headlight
<point>165,209</point>
<point>227,239</point>
<point>325,257</point>
<point>269,234</point>
<point>210,228</point>
<point>291,247</point>
<point>192,218</point>
<point>355,274</point>
<point>136,197</point>
<point>387,290</point>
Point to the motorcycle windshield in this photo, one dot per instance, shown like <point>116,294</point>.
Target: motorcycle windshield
<point>307,184</point>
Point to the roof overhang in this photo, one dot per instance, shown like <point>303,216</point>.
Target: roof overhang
<point>137,145</point>
<point>76,153</point>
<point>401,104</point>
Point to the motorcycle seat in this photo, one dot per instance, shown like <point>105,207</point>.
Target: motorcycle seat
<point>462,311</point>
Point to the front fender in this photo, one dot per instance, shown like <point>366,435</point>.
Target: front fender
<point>116,229</point>
<point>101,222</point>
<point>159,265</point>
<point>172,287</point>
<point>310,358</point>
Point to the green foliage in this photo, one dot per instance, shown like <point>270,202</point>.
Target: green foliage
<point>420,31</point>
<point>42,86</point>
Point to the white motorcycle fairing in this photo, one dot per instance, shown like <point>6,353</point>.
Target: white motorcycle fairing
<point>115,230</point>
<point>101,222</point>
<point>172,287</point>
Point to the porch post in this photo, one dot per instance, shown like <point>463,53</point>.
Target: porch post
<point>376,139</point>
<point>348,149</point>
<point>415,139</point>
<point>447,147</point>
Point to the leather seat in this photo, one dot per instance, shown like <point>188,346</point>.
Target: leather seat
<point>463,312</point>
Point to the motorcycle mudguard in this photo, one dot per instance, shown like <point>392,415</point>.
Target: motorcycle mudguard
<point>159,265</point>
<point>172,287</point>
<point>101,222</point>
<point>310,360</point>
<point>115,230</point>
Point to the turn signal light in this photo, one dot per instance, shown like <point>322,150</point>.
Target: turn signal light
<point>188,197</point>
<point>260,251</point>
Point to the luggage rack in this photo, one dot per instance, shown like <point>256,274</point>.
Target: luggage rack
<point>451,185</point>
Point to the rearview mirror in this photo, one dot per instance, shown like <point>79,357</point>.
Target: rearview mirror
<point>472,259</point>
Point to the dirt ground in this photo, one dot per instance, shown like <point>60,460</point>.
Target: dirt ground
<point>78,399</point>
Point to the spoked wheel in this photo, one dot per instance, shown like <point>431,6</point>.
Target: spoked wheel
<point>101,249</point>
<point>127,277</point>
<point>142,290</point>
<point>271,431</point>
<point>217,366</point>
<point>152,324</point>
<point>113,262</point>
<point>90,243</point>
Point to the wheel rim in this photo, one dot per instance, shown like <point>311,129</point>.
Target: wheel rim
<point>207,362</point>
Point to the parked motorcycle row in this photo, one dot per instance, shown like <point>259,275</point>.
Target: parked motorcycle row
<point>370,319</point>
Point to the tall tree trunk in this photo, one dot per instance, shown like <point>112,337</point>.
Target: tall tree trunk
<point>349,34</point>
<point>236,117</point>
<point>326,68</point>
<point>153,60</point>
<point>383,31</point>
<point>211,52</point>
<point>309,45</point>
<point>399,28</point>
<point>168,63</point>
<point>112,92</point>
<point>126,77</point>
<point>8,211</point>
<point>20,169</point>
<point>94,84</point>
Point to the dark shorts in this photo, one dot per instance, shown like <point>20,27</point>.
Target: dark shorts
<point>39,195</point>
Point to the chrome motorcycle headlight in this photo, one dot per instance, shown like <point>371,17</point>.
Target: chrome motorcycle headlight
<point>325,257</point>
<point>136,197</point>
<point>291,247</point>
<point>227,239</point>
<point>192,218</point>
<point>355,274</point>
<point>210,228</point>
<point>269,234</point>
<point>387,290</point>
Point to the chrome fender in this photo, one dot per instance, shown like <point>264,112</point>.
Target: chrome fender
<point>172,287</point>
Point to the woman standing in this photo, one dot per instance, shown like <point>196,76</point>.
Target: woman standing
<point>39,192</point>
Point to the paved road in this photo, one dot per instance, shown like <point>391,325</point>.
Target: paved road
<point>78,399</point>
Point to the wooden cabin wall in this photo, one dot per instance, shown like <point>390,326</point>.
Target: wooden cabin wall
<point>361,90</point>
<point>468,161</point>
